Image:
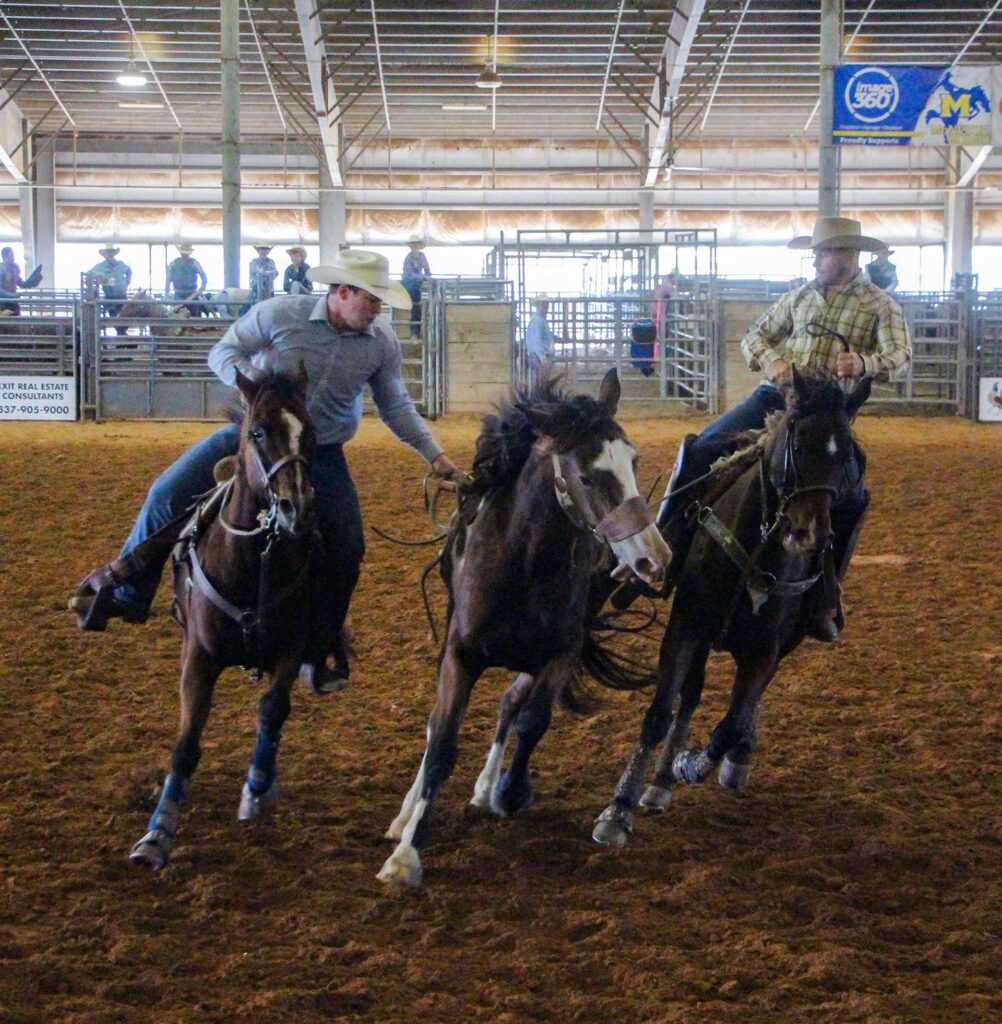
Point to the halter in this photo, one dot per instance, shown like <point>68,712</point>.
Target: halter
<point>627,519</point>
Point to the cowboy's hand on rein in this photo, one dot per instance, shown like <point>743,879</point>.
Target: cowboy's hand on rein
<point>444,468</point>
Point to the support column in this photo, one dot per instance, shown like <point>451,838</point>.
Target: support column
<point>828,152</point>
<point>959,227</point>
<point>229,32</point>
<point>45,212</point>
<point>26,202</point>
<point>332,217</point>
<point>646,209</point>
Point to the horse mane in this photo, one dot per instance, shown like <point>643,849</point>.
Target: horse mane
<point>507,436</point>
<point>284,387</point>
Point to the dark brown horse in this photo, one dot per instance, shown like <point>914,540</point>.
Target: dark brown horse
<point>239,590</point>
<point>554,486</point>
<point>747,586</point>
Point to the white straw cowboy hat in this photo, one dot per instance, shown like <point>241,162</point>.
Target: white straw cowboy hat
<point>366,270</point>
<point>296,248</point>
<point>541,297</point>
<point>184,248</point>
<point>109,247</point>
<point>417,239</point>
<point>837,233</point>
<point>263,245</point>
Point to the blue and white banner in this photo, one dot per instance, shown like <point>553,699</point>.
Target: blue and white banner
<point>895,105</point>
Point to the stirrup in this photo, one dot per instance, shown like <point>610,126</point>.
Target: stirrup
<point>94,602</point>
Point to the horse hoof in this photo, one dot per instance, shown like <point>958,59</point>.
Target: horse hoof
<point>733,775</point>
<point>481,799</point>
<point>509,798</point>
<point>152,851</point>
<point>403,867</point>
<point>613,827</point>
<point>656,799</point>
<point>256,805</point>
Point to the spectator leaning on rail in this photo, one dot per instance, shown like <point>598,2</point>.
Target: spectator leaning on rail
<point>344,344</point>
<point>114,277</point>
<point>262,273</point>
<point>539,340</point>
<point>296,281</point>
<point>416,269</point>
<point>805,329</point>
<point>186,279</point>
<point>10,280</point>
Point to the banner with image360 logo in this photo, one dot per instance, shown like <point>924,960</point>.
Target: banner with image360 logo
<point>896,105</point>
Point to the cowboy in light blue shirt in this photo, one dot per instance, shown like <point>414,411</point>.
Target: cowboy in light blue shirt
<point>539,340</point>
<point>113,275</point>
<point>344,345</point>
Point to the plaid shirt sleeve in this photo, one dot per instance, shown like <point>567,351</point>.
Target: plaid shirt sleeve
<point>894,344</point>
<point>771,329</point>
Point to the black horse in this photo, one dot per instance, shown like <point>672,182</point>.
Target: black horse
<point>553,482</point>
<point>747,586</point>
<point>240,587</point>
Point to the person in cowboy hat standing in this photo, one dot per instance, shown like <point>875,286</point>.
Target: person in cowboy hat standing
<point>882,272</point>
<point>804,329</point>
<point>296,280</point>
<point>344,345</point>
<point>262,273</point>
<point>416,269</point>
<point>186,279</point>
<point>114,277</point>
<point>539,340</point>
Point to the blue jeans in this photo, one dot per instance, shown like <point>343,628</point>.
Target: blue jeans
<point>412,282</point>
<point>338,513</point>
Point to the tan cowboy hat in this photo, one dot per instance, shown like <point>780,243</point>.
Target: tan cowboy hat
<point>417,239</point>
<point>541,297</point>
<point>109,247</point>
<point>837,233</point>
<point>263,245</point>
<point>884,250</point>
<point>362,269</point>
<point>184,248</point>
<point>296,248</point>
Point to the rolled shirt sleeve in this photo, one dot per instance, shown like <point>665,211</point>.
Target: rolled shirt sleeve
<point>894,344</point>
<point>245,338</point>
<point>396,407</point>
<point>772,328</point>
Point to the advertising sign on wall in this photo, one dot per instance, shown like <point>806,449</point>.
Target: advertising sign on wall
<point>990,400</point>
<point>898,105</point>
<point>38,398</point>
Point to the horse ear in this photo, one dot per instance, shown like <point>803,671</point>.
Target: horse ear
<point>858,396</point>
<point>608,395</point>
<point>248,388</point>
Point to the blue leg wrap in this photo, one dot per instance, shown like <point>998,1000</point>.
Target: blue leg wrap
<point>263,770</point>
<point>166,814</point>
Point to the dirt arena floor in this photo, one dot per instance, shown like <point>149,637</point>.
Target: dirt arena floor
<point>858,879</point>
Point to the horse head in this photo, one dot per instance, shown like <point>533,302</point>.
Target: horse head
<point>276,447</point>
<point>810,448</point>
<point>594,476</point>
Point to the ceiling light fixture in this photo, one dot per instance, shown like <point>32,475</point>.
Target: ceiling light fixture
<point>131,77</point>
<point>463,106</point>
<point>489,79</point>
<point>139,105</point>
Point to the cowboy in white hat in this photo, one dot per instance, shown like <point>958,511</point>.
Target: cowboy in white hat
<point>881,271</point>
<point>416,270</point>
<point>539,340</point>
<point>113,276</point>
<point>838,323</point>
<point>296,281</point>
<point>262,273</point>
<point>344,345</point>
<point>186,279</point>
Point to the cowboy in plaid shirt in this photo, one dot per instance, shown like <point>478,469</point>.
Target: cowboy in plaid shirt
<point>839,322</point>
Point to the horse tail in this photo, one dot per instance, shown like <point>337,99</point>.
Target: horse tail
<point>612,669</point>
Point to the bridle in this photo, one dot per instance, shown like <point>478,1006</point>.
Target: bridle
<point>268,520</point>
<point>627,519</point>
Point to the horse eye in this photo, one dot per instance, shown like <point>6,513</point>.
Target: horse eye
<point>587,481</point>
<point>257,435</point>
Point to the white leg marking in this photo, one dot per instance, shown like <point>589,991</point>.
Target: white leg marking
<point>489,776</point>
<point>404,864</point>
<point>396,829</point>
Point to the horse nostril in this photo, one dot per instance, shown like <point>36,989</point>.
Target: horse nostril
<point>286,508</point>
<point>645,567</point>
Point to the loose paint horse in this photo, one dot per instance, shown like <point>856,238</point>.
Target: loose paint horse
<point>746,588</point>
<point>239,590</point>
<point>553,483</point>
